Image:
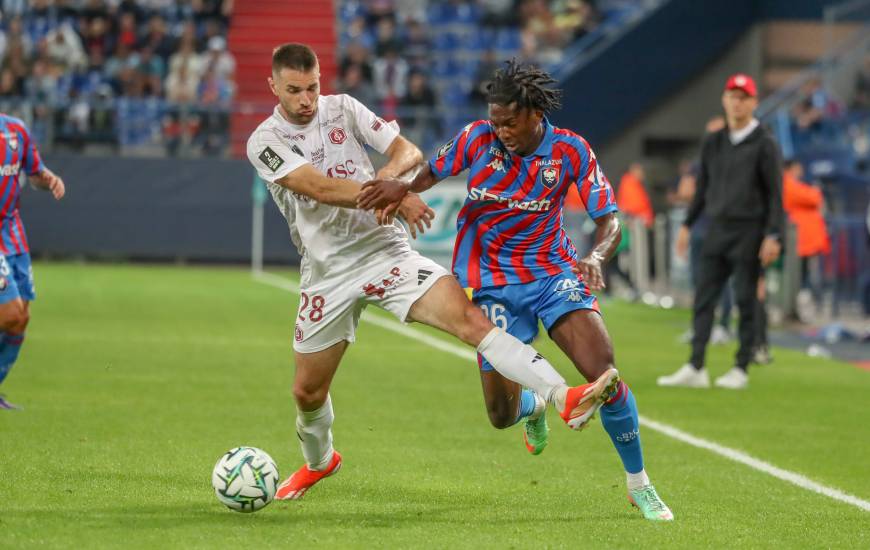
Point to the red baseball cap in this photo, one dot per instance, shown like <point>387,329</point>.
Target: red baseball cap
<point>743,82</point>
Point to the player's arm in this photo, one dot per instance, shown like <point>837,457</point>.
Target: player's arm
<point>49,181</point>
<point>307,181</point>
<point>696,207</point>
<point>403,157</point>
<point>608,234</point>
<point>771,178</point>
<point>388,193</point>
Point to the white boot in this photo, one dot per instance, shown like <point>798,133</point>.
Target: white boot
<point>687,377</point>
<point>734,379</point>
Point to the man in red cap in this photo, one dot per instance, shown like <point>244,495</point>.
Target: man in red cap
<point>739,188</point>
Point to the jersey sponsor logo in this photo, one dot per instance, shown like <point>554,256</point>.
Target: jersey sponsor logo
<point>495,151</point>
<point>333,120</point>
<point>483,194</point>
<point>299,334</point>
<point>318,156</point>
<point>378,124</point>
<point>342,170</point>
<point>548,162</point>
<point>271,159</point>
<point>497,165</point>
<point>10,169</point>
<point>549,177</point>
<point>444,148</point>
<point>337,135</point>
<point>298,137</point>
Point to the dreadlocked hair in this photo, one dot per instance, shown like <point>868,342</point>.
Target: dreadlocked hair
<point>525,86</point>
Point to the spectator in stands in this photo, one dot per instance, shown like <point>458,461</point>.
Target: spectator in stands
<point>387,38</point>
<point>182,83</point>
<point>219,59</point>
<point>420,119</point>
<point>150,72</point>
<point>804,203</point>
<point>744,202</point>
<point>16,62</point>
<point>416,45</point>
<point>9,85</point>
<point>632,197</point>
<point>861,97</point>
<point>816,105</point>
<point>127,32</point>
<point>96,36</point>
<point>357,54</point>
<point>186,55</point>
<point>357,31</point>
<point>391,76</point>
<point>353,83</point>
<point>489,63</point>
<point>120,69</point>
<point>157,39</point>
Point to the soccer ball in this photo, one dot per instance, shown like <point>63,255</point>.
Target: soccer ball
<point>244,479</point>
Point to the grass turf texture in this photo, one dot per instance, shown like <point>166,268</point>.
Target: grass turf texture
<point>136,379</point>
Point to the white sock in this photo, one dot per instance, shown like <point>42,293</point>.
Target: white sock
<point>314,429</point>
<point>522,364</point>
<point>540,407</point>
<point>636,481</point>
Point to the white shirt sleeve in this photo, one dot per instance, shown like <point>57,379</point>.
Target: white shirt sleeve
<point>272,156</point>
<point>370,128</point>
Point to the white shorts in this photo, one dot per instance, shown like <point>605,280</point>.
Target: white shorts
<point>329,309</point>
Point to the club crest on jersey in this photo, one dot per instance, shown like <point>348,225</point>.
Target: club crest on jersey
<point>549,176</point>
<point>444,148</point>
<point>337,135</point>
<point>271,159</point>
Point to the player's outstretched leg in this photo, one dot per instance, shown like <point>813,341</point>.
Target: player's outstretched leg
<point>314,417</point>
<point>14,316</point>
<point>582,402</point>
<point>583,337</point>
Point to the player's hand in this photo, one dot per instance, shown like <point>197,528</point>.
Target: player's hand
<point>769,252</point>
<point>54,184</point>
<point>590,268</point>
<point>682,245</point>
<point>382,194</point>
<point>417,213</point>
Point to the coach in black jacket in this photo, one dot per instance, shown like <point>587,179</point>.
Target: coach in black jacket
<point>739,187</point>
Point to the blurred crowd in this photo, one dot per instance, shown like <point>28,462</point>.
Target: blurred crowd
<point>70,59</point>
<point>413,59</point>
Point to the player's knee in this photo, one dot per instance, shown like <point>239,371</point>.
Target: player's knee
<point>308,396</point>
<point>14,321</point>
<point>474,325</point>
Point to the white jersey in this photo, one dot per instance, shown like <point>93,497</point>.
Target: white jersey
<point>331,240</point>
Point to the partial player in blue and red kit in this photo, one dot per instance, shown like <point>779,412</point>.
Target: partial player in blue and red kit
<point>16,274</point>
<point>513,253</point>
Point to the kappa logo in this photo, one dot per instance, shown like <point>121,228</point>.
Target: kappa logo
<point>271,159</point>
<point>422,275</point>
<point>337,135</point>
<point>567,285</point>
<point>444,148</point>
<point>549,176</point>
<point>497,165</point>
<point>575,297</point>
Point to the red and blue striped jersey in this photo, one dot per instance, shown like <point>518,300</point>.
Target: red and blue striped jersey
<point>19,152</point>
<point>510,227</point>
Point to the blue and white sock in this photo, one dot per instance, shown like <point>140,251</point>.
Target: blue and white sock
<point>619,418</point>
<point>531,404</point>
<point>10,346</point>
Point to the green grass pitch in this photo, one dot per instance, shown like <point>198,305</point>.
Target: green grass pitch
<point>136,379</point>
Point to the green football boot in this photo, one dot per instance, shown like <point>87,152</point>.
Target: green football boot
<point>536,433</point>
<point>649,502</point>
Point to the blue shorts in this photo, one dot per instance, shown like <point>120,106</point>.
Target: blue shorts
<point>517,308</point>
<point>16,278</point>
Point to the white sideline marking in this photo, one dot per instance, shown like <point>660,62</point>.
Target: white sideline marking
<point>731,454</point>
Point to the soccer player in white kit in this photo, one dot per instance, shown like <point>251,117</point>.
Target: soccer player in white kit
<point>311,153</point>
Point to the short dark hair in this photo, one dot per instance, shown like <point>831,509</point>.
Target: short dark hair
<point>298,57</point>
<point>524,85</point>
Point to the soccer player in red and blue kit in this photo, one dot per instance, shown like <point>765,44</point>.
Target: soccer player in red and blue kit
<point>512,251</point>
<point>16,274</point>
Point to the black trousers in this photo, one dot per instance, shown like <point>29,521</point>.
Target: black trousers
<point>728,249</point>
